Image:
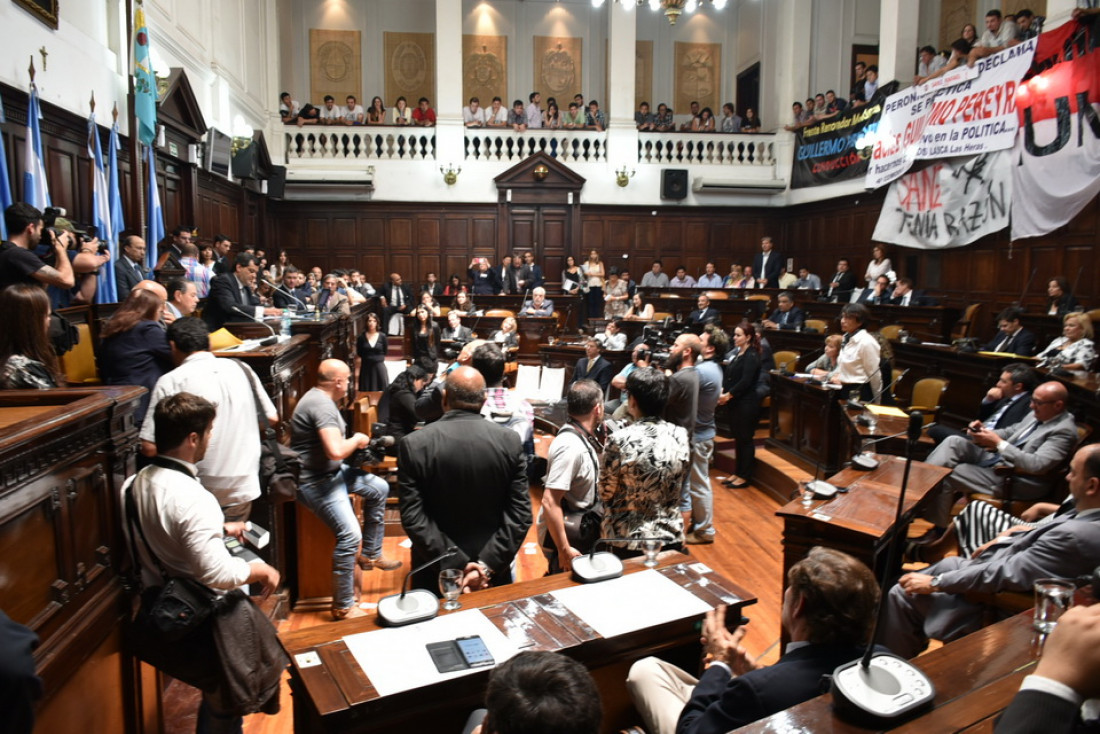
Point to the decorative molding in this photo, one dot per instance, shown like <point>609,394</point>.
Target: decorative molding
<point>485,69</point>
<point>559,66</point>
<point>697,76</point>
<point>409,60</point>
<point>335,65</point>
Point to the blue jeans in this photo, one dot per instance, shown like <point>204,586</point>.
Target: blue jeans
<point>327,498</point>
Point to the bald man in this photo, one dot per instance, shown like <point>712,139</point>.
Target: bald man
<point>462,482</point>
<point>320,438</point>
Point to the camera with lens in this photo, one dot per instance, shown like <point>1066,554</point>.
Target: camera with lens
<point>52,231</point>
<point>375,451</point>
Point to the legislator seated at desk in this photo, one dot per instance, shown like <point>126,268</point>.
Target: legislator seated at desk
<point>233,296</point>
<point>1006,404</point>
<point>904,295</point>
<point>1012,337</point>
<point>539,305</point>
<point>593,366</point>
<point>787,315</point>
<point>878,294</point>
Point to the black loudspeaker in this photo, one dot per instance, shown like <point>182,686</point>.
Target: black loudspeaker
<point>276,182</point>
<point>244,162</point>
<point>674,183</point>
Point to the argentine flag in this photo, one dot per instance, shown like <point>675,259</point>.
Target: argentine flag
<point>101,215</point>
<point>154,225</point>
<point>5,184</point>
<point>35,191</point>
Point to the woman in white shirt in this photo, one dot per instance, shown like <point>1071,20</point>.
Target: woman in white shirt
<point>879,265</point>
<point>402,114</point>
<point>860,355</point>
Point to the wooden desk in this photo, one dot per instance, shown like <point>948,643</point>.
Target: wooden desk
<point>283,370</point>
<point>859,521</point>
<point>566,354</point>
<point>975,678</point>
<point>336,696</point>
<point>534,331</point>
<point>806,420</point>
<point>886,427</point>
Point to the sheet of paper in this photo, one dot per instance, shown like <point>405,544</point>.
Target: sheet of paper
<point>629,603</point>
<point>527,381</point>
<point>552,385</point>
<point>396,659</point>
<point>887,410</point>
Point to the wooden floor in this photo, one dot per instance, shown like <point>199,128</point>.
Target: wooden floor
<point>747,550</point>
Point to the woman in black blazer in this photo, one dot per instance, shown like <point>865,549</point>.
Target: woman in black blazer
<point>739,388</point>
<point>133,347</point>
<point>426,341</point>
<point>1059,300</point>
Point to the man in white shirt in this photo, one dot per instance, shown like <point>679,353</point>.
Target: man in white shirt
<point>710,279</point>
<point>229,468</point>
<point>353,112</point>
<point>534,111</point>
<point>330,113</point>
<point>930,62</point>
<point>497,114</point>
<point>999,34</point>
<point>473,115</point>
<point>612,339</point>
<point>655,278</point>
<point>682,279</point>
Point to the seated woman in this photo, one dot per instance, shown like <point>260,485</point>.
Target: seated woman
<point>1059,300</point>
<point>27,360</point>
<point>454,286</point>
<point>397,408</point>
<point>639,310</point>
<point>429,302</point>
<point>133,347</point>
<point>1074,350</point>
<point>825,366</point>
<point>463,305</point>
<point>508,337</point>
<point>329,299</point>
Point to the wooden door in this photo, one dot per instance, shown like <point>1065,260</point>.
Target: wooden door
<point>546,230</point>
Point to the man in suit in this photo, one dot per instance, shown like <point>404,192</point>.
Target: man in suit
<point>904,295</point>
<point>463,482</point>
<point>530,275</point>
<point>840,287</point>
<point>507,275</point>
<point>766,264</point>
<point>222,246</point>
<point>877,295</point>
<point>593,366</point>
<point>183,299</point>
<point>431,285</point>
<point>704,314</point>
<point>788,316</point>
<point>233,296</point>
<point>455,331</point>
<point>130,268</point>
<point>828,610</point>
<point>1012,337</point>
<point>396,299</point>
<point>539,305</point>
<point>930,604</point>
<point>1006,404</point>
<point>1032,447</point>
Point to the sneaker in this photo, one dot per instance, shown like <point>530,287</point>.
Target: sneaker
<point>699,539</point>
<point>381,563</point>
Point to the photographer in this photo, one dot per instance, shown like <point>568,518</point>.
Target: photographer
<point>19,263</point>
<point>85,253</point>
<point>318,432</point>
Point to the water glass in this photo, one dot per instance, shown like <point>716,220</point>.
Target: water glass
<point>450,583</point>
<point>806,493</point>
<point>1052,598</point>
<point>651,547</point>
<point>853,396</point>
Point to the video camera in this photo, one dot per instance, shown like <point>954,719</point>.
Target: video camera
<point>50,229</point>
<point>375,451</point>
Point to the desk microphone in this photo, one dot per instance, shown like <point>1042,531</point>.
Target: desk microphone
<point>283,289</point>
<point>414,605</point>
<point>604,565</point>
<point>893,382</point>
<point>865,460</point>
<point>880,689</point>
<point>857,404</point>
<point>273,339</point>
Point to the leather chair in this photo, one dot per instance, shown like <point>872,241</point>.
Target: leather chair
<point>787,360</point>
<point>926,396</point>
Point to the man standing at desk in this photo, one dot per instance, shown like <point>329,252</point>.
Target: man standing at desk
<point>539,305</point>
<point>787,316</point>
<point>463,482</point>
<point>233,297</point>
<point>592,366</point>
<point>766,264</point>
<point>828,609</point>
<point>931,603</point>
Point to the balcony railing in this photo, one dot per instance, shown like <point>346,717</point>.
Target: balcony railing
<point>360,143</point>
<point>719,149</point>
<point>506,145</point>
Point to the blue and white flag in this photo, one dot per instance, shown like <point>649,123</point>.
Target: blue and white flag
<point>101,215</point>
<point>6,198</point>
<point>114,197</point>
<point>154,215</point>
<point>35,191</point>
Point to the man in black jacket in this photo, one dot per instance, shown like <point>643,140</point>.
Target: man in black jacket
<point>1012,337</point>
<point>233,296</point>
<point>828,609</point>
<point>840,286</point>
<point>593,366</point>
<point>462,482</point>
<point>396,300</point>
<point>767,264</point>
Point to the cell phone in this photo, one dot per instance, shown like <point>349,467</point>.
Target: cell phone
<point>474,651</point>
<point>463,653</point>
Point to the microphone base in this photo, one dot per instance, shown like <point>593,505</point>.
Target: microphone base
<point>416,606</point>
<point>822,489</point>
<point>865,462</point>
<point>888,690</point>
<point>601,566</point>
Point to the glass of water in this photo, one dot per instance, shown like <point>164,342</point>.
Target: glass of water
<point>652,548</point>
<point>853,397</point>
<point>807,493</point>
<point>450,583</point>
<point>1052,598</point>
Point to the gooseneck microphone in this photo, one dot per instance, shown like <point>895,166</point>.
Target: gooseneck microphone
<point>273,339</point>
<point>882,688</point>
<point>414,605</point>
<point>602,566</point>
<point>282,288</point>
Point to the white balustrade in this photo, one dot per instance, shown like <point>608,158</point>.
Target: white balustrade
<point>717,149</point>
<point>375,142</point>
<point>509,146</point>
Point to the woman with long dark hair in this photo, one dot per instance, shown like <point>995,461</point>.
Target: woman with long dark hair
<point>454,285</point>
<point>371,348</point>
<point>463,304</point>
<point>426,341</point>
<point>27,361</point>
<point>133,347</point>
<point>1059,300</point>
<point>397,409</point>
<point>739,388</point>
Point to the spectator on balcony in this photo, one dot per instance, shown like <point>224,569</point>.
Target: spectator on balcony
<point>424,115</point>
<point>694,114</point>
<point>595,120</point>
<point>870,83</point>
<point>960,51</point>
<point>497,114</point>
<point>1028,25</point>
<point>833,104</point>
<point>293,113</point>
<point>353,112</point>
<point>376,115</point>
<point>710,278</point>
<point>400,112</point>
<point>731,121</point>
<point>930,63</point>
<point>554,118</point>
<point>999,34</point>
<point>517,118</point>
<point>800,117</point>
<point>859,75</point>
<point>752,123</point>
<point>330,113</point>
<point>704,123</point>
<point>574,118</point>
<point>682,279</point>
<point>663,120</point>
<point>821,110</point>
<point>644,119</point>
<point>473,115</point>
<point>534,111</point>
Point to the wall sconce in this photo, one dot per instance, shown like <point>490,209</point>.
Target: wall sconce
<point>623,176</point>
<point>450,174</point>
